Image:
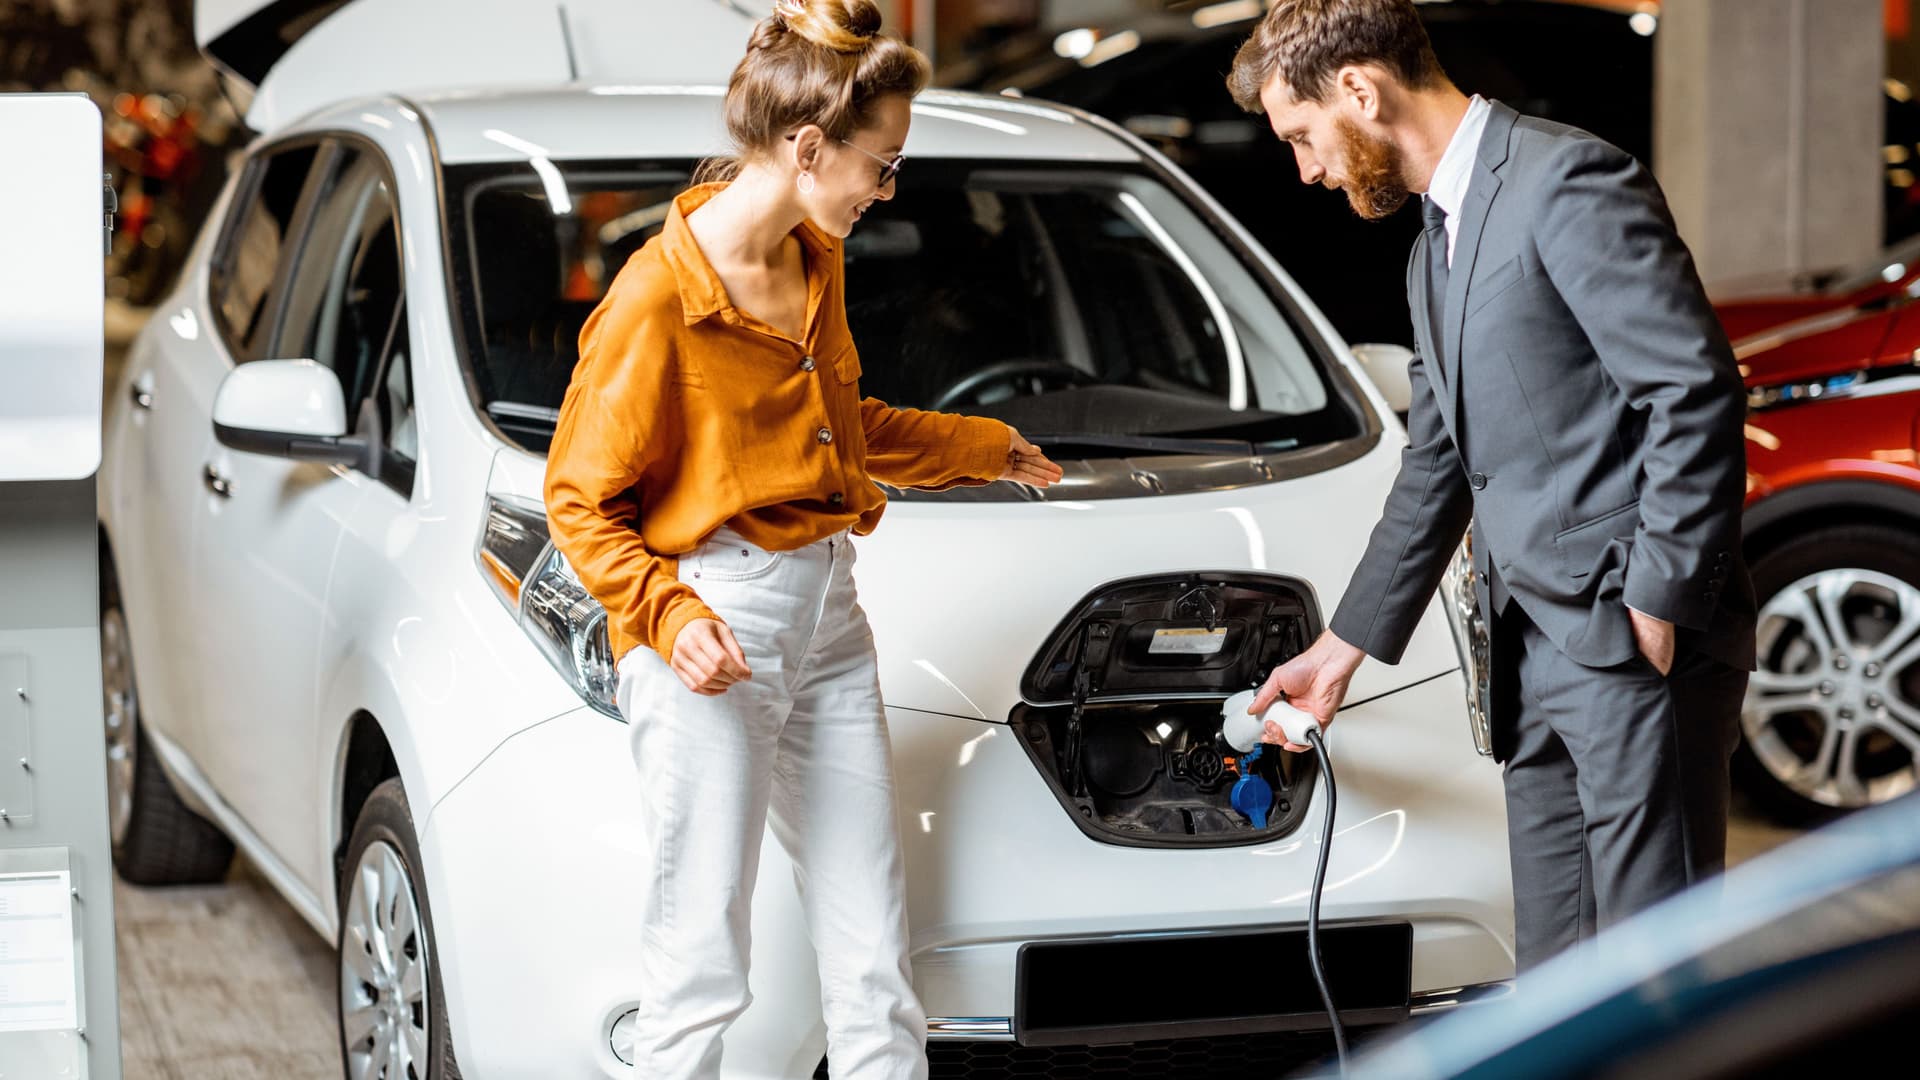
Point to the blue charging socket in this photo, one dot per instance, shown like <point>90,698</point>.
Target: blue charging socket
<point>1251,795</point>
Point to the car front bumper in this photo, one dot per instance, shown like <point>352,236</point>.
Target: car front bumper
<point>532,863</point>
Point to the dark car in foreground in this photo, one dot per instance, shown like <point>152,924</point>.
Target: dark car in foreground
<point>1802,963</point>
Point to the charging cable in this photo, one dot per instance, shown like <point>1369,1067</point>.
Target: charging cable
<point>1243,731</point>
<point>1319,744</point>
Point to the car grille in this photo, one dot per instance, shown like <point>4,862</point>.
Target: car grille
<point>1239,1057</point>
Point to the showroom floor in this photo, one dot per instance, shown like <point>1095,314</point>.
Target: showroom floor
<point>225,982</point>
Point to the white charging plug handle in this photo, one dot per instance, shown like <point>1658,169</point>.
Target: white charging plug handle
<point>1243,730</point>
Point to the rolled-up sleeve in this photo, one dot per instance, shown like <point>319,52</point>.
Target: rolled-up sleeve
<point>932,451</point>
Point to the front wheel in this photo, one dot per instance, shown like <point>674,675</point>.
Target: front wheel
<point>393,1011</point>
<point>1831,721</point>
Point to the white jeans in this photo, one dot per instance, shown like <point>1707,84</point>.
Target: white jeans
<point>801,746</point>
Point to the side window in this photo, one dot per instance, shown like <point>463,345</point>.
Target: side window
<point>396,396</point>
<point>259,239</point>
<point>346,304</point>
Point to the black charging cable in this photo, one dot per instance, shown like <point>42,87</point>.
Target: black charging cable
<point>1313,903</point>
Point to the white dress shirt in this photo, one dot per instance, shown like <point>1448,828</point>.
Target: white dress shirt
<point>1450,178</point>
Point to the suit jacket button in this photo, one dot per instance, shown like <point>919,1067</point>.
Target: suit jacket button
<point>824,436</point>
<point>1483,578</point>
<point>806,364</point>
<point>1478,481</point>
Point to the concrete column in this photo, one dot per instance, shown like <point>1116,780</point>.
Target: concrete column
<point>1767,132</point>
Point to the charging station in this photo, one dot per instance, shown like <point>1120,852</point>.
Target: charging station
<point>58,1007</point>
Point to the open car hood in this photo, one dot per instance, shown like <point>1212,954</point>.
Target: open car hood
<point>286,58</point>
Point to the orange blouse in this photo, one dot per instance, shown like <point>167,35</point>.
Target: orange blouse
<point>686,413</point>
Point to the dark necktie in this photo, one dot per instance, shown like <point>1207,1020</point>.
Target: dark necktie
<point>1436,220</point>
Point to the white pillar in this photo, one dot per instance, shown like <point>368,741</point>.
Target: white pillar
<point>1767,132</point>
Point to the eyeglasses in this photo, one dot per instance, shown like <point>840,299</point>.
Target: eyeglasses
<point>888,169</point>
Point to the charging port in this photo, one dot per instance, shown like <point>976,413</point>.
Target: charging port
<point>1122,708</point>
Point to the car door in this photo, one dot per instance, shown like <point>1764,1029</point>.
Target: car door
<point>173,376</point>
<point>267,548</point>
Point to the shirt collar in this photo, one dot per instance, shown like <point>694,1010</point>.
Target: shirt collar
<point>701,291</point>
<point>1448,189</point>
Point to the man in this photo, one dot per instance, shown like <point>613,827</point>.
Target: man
<point>1575,399</point>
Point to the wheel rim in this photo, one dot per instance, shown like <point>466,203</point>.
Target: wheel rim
<point>121,705</point>
<point>1833,712</point>
<point>384,980</point>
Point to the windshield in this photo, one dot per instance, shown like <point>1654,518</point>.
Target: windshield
<point>1069,302</point>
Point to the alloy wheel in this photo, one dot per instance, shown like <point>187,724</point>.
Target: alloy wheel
<point>1834,710</point>
<point>121,706</point>
<point>384,975</point>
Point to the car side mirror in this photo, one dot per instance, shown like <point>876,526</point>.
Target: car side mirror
<point>1386,366</point>
<point>286,408</point>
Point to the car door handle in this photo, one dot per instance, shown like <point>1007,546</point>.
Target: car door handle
<point>141,394</point>
<point>217,483</point>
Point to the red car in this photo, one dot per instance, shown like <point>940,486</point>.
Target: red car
<point>1832,366</point>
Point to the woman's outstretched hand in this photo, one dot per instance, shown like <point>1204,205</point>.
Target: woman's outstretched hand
<point>1027,465</point>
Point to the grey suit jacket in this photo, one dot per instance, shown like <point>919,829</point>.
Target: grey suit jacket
<point>1581,408</point>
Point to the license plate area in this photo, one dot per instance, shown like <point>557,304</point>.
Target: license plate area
<point>1209,983</point>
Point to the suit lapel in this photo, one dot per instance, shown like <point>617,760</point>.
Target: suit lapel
<point>1481,192</point>
<point>1466,248</point>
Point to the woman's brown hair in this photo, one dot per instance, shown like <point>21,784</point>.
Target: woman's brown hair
<point>820,62</point>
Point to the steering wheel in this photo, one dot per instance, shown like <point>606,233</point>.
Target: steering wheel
<point>1035,373</point>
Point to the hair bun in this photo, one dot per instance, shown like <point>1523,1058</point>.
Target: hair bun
<point>844,26</point>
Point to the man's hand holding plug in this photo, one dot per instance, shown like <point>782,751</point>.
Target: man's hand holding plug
<point>1314,682</point>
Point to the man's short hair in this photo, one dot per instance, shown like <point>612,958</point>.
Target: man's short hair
<point>1307,42</point>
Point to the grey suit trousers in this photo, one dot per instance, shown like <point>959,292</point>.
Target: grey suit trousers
<point>1617,785</point>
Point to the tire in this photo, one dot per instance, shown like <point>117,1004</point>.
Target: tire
<point>383,860</point>
<point>157,840</point>
<point>1864,690</point>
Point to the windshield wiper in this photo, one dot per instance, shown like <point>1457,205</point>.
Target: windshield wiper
<point>1153,443</point>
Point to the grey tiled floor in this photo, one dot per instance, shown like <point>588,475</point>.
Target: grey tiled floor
<point>223,981</point>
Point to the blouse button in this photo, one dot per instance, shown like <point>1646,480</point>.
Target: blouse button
<point>824,436</point>
<point>806,364</point>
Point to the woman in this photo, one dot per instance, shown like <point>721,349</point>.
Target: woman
<point>715,413</point>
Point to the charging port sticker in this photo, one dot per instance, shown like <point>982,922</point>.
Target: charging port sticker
<point>1196,642</point>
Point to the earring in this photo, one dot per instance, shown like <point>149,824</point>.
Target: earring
<point>805,183</point>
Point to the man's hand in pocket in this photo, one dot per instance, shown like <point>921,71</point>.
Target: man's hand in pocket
<point>1655,638</point>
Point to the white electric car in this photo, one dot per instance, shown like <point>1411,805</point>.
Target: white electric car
<point>335,636</point>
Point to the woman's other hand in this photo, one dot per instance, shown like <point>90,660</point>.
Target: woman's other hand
<point>707,658</point>
<point>1027,465</point>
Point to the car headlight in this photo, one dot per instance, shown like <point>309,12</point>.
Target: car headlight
<point>1793,393</point>
<point>534,581</point>
<point>1470,637</point>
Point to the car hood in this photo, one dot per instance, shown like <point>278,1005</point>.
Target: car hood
<point>1816,346</point>
<point>294,56</point>
<point>963,595</point>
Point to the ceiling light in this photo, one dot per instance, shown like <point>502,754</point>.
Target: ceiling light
<point>1075,44</point>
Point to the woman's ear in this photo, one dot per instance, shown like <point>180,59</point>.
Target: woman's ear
<point>807,141</point>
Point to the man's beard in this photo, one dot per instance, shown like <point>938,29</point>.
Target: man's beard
<point>1376,181</point>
